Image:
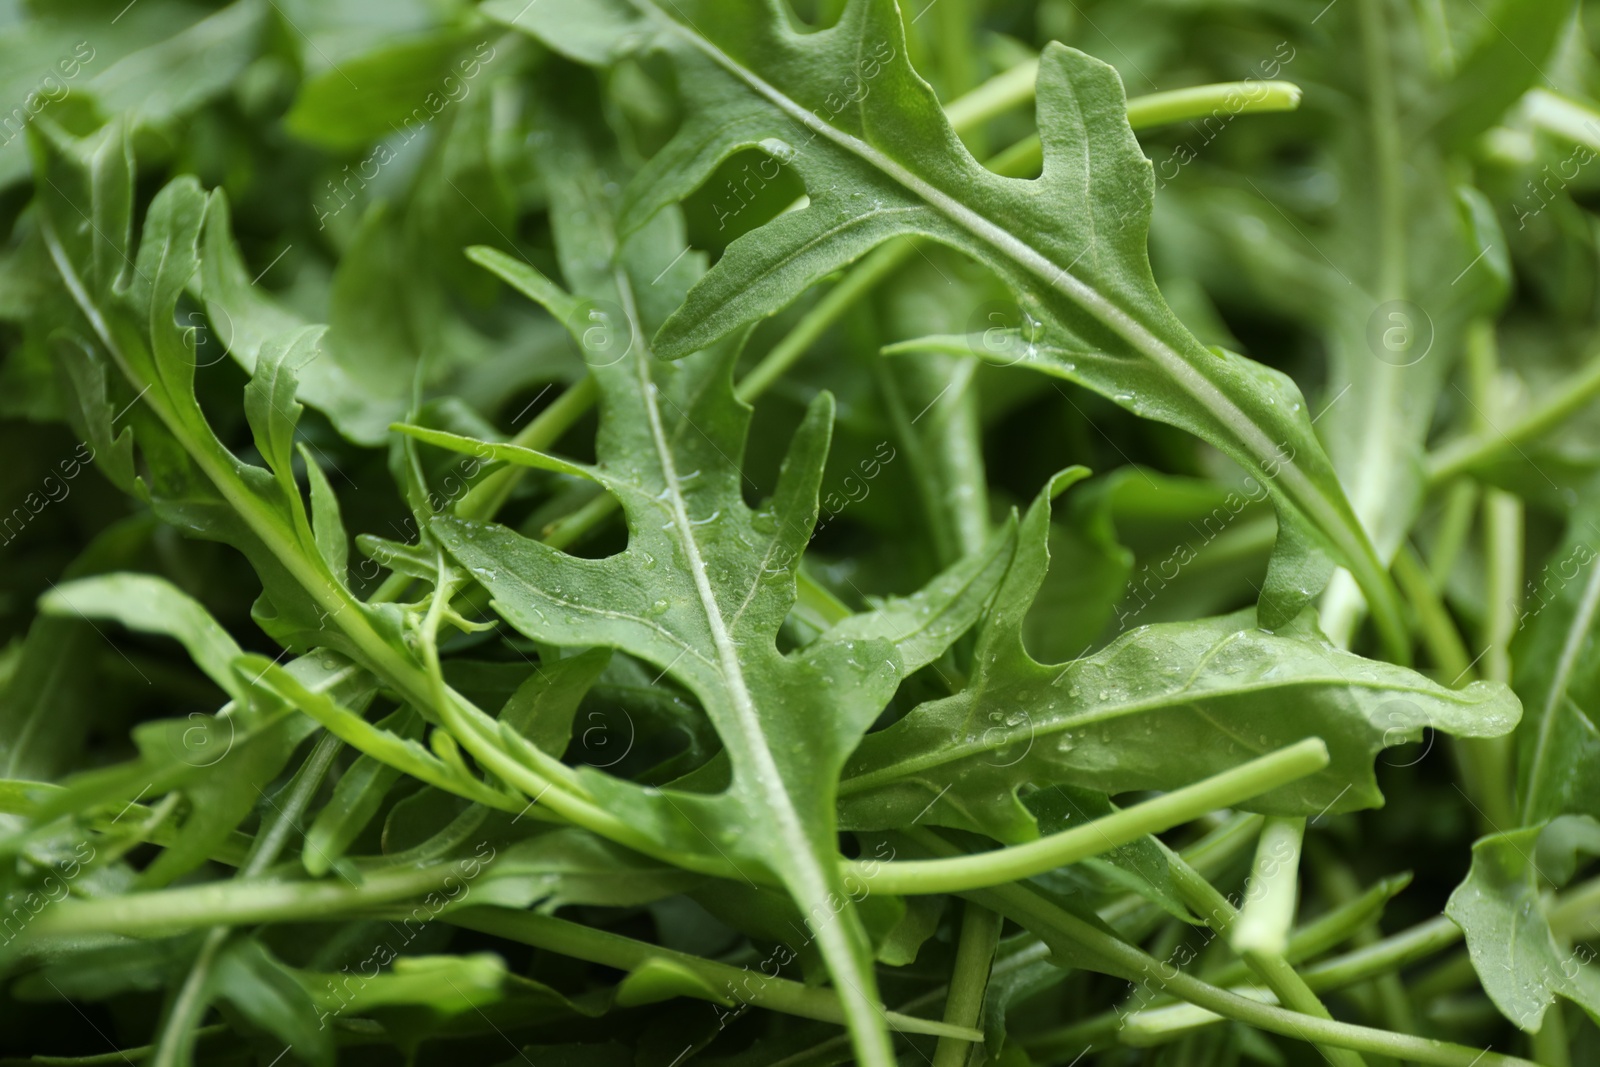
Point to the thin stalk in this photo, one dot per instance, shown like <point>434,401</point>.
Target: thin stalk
<point>1263,943</point>
<point>1360,965</point>
<point>945,456</point>
<point>1437,629</point>
<point>723,983</point>
<point>233,902</point>
<point>963,1006</point>
<point>186,1011</point>
<point>1574,913</point>
<point>543,431</point>
<point>1387,149</point>
<point>1389,996</point>
<point>1492,780</point>
<point>1006,90</point>
<point>1550,1042</point>
<point>984,869</point>
<point>1334,928</point>
<point>1135,917</point>
<point>1081,940</point>
<point>1349,598</point>
<point>1455,525</point>
<point>1181,105</point>
<point>1484,446</point>
<point>954,34</point>
<point>487,497</point>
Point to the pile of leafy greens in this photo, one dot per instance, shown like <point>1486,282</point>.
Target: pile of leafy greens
<point>749,532</point>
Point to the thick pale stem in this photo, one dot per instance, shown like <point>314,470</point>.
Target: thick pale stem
<point>1268,912</point>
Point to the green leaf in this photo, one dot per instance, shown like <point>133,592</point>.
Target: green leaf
<point>1213,691</point>
<point>439,986</point>
<point>1521,960</point>
<point>369,98</point>
<point>153,605</point>
<point>357,795</point>
<point>866,134</point>
<point>569,866</point>
<point>701,592</point>
<point>543,706</point>
<point>247,976</point>
<point>157,85</point>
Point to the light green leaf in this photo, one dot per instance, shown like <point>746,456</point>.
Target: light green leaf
<point>153,605</point>
<point>701,592</point>
<point>1523,963</point>
<point>1160,707</point>
<point>247,976</point>
<point>359,793</point>
<point>543,706</point>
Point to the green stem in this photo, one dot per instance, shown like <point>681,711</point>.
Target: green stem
<point>722,983</point>
<point>1359,965</point>
<point>1492,782</point>
<point>175,1046</point>
<point>1551,1042</point>
<point>1485,446</point>
<point>233,902</point>
<point>1434,624</point>
<point>984,869</point>
<point>1200,101</point>
<point>856,283</point>
<point>1135,917</point>
<point>1263,924</point>
<point>1077,937</point>
<point>1334,928</point>
<point>1454,526</point>
<point>1387,995</point>
<point>1387,150</point>
<point>1080,940</point>
<point>487,497</point>
<point>963,1006</point>
<point>1006,90</point>
<point>1257,928</point>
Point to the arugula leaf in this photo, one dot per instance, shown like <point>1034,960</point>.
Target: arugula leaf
<point>1521,960</point>
<point>700,592</point>
<point>1213,690</point>
<point>866,134</point>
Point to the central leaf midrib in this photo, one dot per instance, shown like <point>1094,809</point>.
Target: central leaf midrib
<point>750,735</point>
<point>798,862</point>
